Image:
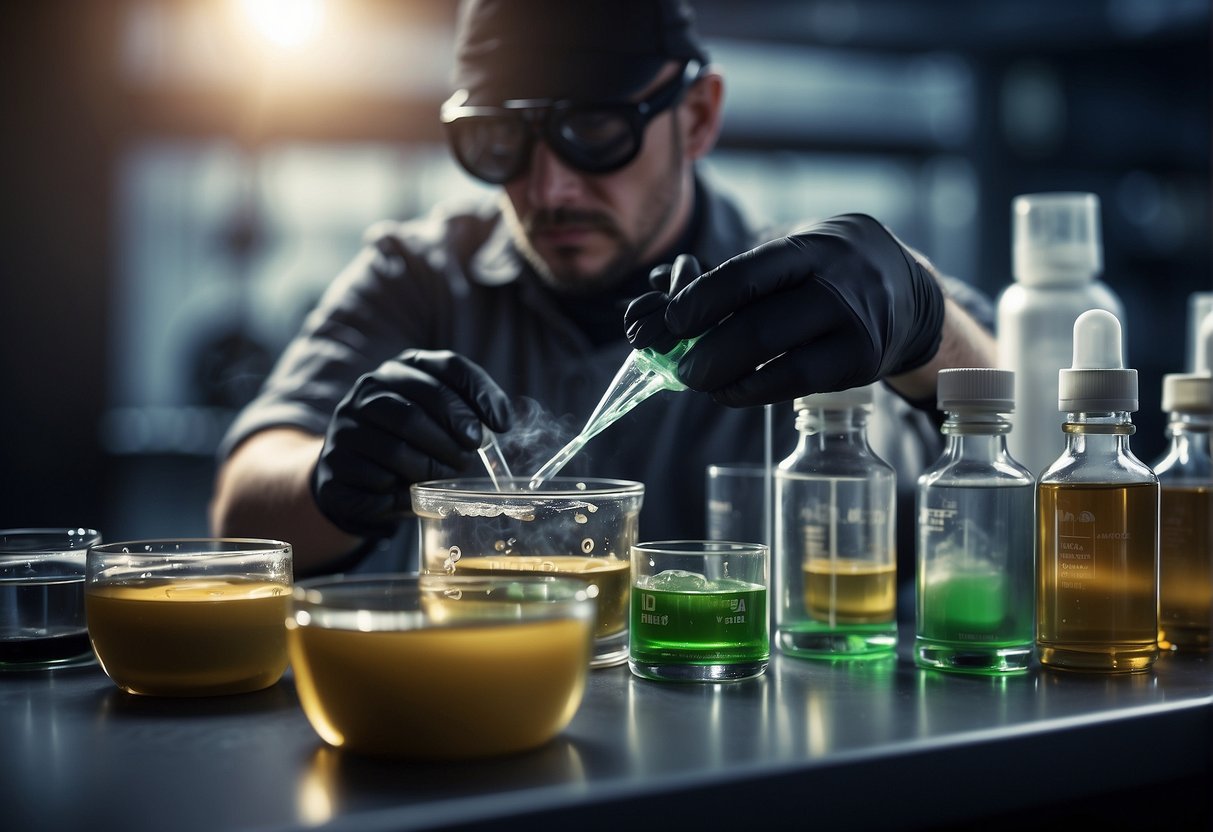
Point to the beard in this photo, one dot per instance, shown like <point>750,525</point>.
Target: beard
<point>659,204</point>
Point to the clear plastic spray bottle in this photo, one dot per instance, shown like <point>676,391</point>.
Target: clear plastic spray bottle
<point>975,571</point>
<point>1097,515</point>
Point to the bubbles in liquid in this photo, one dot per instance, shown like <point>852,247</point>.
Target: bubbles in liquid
<point>499,545</point>
<point>580,518</point>
<point>591,591</point>
<point>587,545</point>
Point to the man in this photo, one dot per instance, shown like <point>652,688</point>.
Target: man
<point>591,117</point>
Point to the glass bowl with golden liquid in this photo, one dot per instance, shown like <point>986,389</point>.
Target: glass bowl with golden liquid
<point>440,667</point>
<point>579,528</point>
<point>192,617</point>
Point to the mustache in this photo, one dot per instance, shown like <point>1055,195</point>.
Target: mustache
<point>555,219</point>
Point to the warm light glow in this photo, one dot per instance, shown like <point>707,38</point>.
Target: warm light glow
<point>285,23</point>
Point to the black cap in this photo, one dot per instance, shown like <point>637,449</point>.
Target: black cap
<point>589,50</point>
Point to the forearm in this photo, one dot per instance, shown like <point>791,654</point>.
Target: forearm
<point>963,343</point>
<point>263,490</point>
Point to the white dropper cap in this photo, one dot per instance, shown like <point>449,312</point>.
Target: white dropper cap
<point>1056,238</point>
<point>1097,379</point>
<point>1192,392</point>
<point>855,397</point>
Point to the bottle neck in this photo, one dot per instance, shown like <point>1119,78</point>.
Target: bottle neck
<point>976,436</point>
<point>1189,431</point>
<point>821,427</point>
<point>1090,432</point>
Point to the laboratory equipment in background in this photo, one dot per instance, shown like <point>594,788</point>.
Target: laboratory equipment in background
<point>835,558</point>
<point>1097,513</point>
<point>1057,261</point>
<point>975,576</point>
<point>1185,480</point>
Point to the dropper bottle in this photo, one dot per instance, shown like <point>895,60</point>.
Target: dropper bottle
<point>1097,516</point>
<point>1185,525</point>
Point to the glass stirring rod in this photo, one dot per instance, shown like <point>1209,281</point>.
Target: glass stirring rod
<point>494,460</point>
<point>642,374</point>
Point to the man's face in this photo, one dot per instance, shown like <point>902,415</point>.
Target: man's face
<point>582,232</point>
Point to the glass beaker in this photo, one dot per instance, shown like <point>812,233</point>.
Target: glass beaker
<point>581,528</point>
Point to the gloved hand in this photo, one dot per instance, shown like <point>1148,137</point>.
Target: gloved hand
<point>644,319</point>
<point>839,305</point>
<point>417,417</point>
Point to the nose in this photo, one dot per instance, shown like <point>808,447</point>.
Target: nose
<point>551,183</point>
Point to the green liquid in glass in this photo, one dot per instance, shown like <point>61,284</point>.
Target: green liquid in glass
<point>723,627</point>
<point>972,608</point>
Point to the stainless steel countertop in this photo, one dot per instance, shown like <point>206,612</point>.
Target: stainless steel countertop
<point>877,744</point>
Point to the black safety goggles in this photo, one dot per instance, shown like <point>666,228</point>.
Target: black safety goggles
<point>495,143</point>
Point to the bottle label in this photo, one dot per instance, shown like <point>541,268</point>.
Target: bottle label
<point>1076,547</point>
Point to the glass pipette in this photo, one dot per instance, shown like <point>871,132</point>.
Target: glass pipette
<point>642,374</point>
<point>494,460</point>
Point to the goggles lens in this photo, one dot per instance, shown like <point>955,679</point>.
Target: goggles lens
<point>495,143</point>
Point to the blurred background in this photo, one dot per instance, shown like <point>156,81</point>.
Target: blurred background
<point>183,177</point>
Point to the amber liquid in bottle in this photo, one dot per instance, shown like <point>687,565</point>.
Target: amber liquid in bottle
<point>1185,570</point>
<point>1097,601</point>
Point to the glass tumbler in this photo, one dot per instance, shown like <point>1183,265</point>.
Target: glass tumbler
<point>42,598</point>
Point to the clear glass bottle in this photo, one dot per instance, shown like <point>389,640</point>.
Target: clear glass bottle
<point>975,576</point>
<point>836,559</point>
<point>1097,516</point>
<point>1185,539</point>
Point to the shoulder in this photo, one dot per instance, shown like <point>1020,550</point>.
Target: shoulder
<point>458,227</point>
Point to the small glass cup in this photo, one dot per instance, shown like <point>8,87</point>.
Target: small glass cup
<point>699,610</point>
<point>42,622</point>
<point>573,527</point>
<point>440,667</point>
<point>196,617</point>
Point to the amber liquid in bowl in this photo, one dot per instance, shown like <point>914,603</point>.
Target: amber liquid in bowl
<point>200,637</point>
<point>609,580</point>
<point>443,692</point>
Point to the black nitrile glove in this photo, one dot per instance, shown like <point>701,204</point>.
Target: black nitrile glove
<point>417,417</point>
<point>837,306</point>
<point>645,316</point>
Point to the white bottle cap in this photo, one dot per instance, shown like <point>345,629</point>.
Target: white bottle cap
<point>855,397</point>
<point>1056,238</point>
<point>976,388</point>
<point>1186,393</point>
<point>1097,379</point>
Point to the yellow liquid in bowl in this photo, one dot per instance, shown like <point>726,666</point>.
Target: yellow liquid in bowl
<point>441,692</point>
<point>608,580</point>
<point>189,638</point>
